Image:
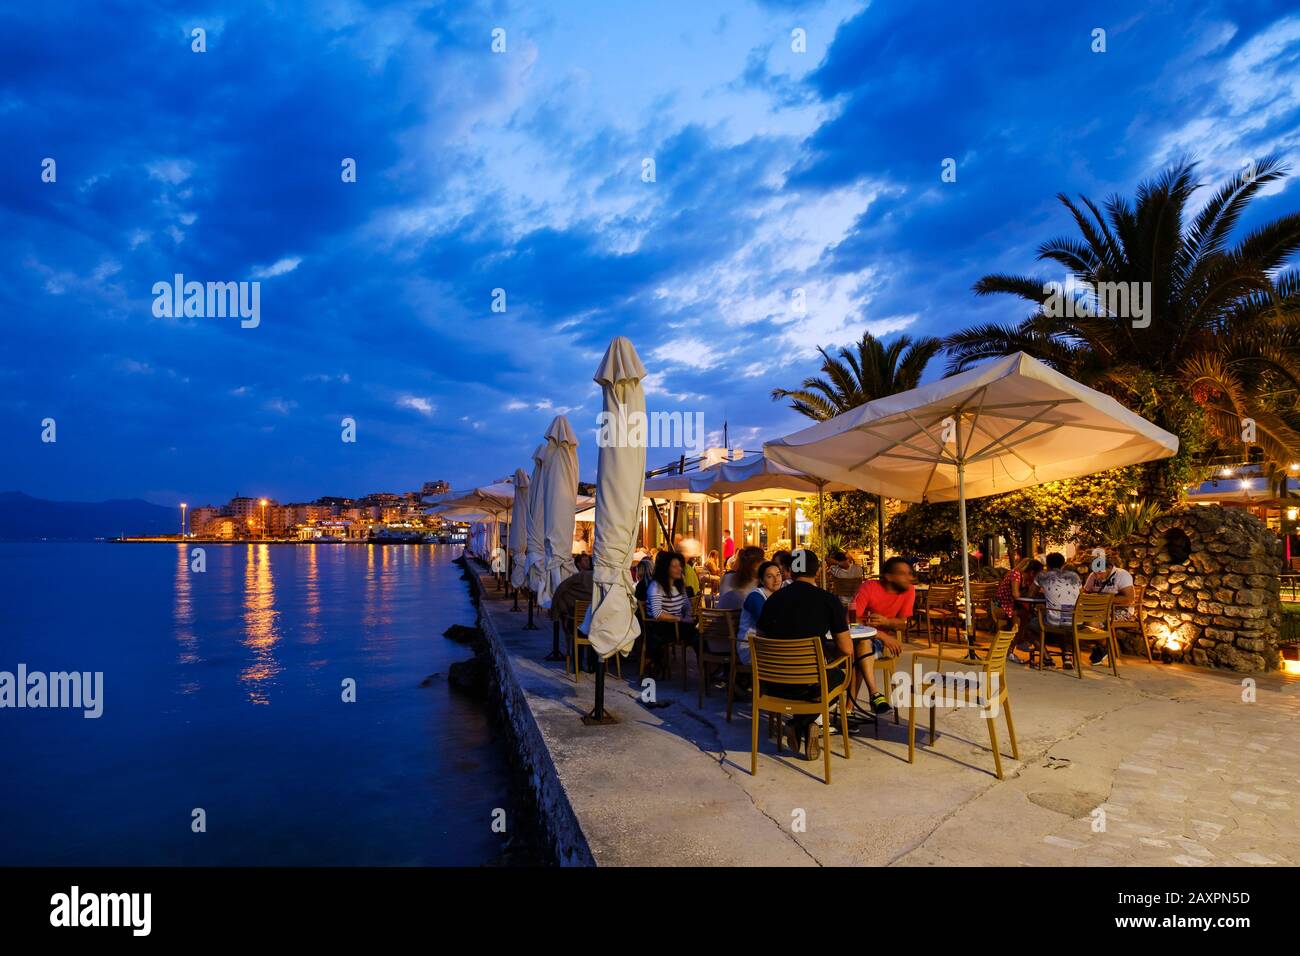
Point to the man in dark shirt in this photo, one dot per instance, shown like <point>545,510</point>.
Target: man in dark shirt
<point>802,609</point>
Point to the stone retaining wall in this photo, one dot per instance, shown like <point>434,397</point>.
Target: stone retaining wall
<point>563,833</point>
<point>1213,576</point>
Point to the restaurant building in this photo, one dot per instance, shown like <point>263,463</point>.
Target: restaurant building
<point>770,524</point>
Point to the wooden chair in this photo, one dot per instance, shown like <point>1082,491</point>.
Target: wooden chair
<point>578,640</point>
<point>990,693</point>
<point>1089,623</point>
<point>671,651</point>
<point>845,588</point>
<point>983,597</point>
<point>941,607</point>
<point>1138,622</point>
<point>796,661</point>
<point>919,609</point>
<point>719,629</point>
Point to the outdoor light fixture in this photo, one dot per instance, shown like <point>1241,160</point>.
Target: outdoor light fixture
<point>1226,473</point>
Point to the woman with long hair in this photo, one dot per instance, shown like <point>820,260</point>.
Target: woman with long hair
<point>743,578</point>
<point>668,607</point>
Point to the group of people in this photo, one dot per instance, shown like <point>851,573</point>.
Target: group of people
<point>1059,586</point>
<point>780,598</point>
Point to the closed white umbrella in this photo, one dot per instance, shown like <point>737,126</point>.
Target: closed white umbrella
<point>1009,423</point>
<point>536,550</point>
<point>611,625</point>
<point>560,477</point>
<point>519,531</point>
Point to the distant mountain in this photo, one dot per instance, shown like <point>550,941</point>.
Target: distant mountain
<point>24,518</point>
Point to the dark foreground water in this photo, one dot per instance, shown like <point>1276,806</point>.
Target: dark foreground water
<point>222,691</point>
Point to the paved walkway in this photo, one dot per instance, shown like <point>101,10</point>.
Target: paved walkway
<point>1166,765</point>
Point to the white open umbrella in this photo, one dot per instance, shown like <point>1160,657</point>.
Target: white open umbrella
<point>1007,424</point>
<point>535,553</point>
<point>519,531</point>
<point>751,478</point>
<point>611,625</point>
<point>560,477</point>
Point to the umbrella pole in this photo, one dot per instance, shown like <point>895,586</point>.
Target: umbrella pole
<point>555,654</point>
<point>969,617</point>
<point>821,529</point>
<point>514,590</point>
<point>598,715</point>
<point>530,626</point>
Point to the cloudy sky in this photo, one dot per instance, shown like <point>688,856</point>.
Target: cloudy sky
<point>778,166</point>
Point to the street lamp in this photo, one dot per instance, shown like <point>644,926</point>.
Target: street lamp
<point>263,504</point>
<point>183,519</point>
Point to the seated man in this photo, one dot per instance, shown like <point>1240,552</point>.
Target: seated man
<point>802,609</point>
<point>1111,580</point>
<point>886,605</point>
<point>840,565</point>
<point>1060,587</point>
<point>574,588</point>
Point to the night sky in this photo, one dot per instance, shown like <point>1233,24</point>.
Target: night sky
<point>522,170</point>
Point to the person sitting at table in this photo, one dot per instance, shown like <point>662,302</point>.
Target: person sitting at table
<point>691,576</point>
<point>802,609</point>
<point>770,580</point>
<point>645,570</point>
<point>668,606</point>
<point>1060,588</point>
<point>1015,584</point>
<point>743,578</point>
<point>1112,579</point>
<point>575,587</point>
<point>840,565</point>
<point>712,565</point>
<point>885,605</point>
<point>784,559</point>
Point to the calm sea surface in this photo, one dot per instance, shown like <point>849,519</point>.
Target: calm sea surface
<point>222,691</point>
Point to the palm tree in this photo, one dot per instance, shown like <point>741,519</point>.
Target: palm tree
<point>869,370</point>
<point>1215,358</point>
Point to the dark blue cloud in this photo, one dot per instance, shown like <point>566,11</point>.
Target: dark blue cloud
<point>522,171</point>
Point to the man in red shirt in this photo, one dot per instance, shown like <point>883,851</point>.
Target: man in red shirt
<point>886,605</point>
<point>728,547</point>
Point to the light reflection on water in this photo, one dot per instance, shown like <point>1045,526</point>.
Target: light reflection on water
<point>260,634</point>
<point>222,690</point>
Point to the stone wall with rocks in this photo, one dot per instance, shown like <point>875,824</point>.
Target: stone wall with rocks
<point>1212,576</point>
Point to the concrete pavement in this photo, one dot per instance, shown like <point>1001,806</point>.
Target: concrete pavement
<point>1166,765</point>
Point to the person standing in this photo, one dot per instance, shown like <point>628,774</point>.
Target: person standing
<point>728,547</point>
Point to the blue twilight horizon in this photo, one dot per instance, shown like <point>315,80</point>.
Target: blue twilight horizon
<point>776,169</point>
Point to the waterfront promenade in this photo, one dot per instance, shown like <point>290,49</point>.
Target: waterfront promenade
<point>1165,766</point>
